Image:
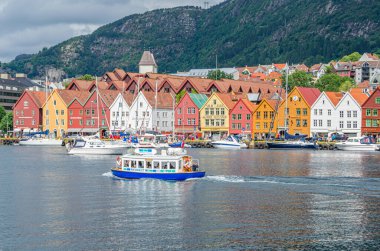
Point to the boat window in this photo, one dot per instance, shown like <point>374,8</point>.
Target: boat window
<point>164,164</point>
<point>126,163</point>
<point>149,164</point>
<point>156,164</point>
<point>133,163</point>
<point>172,165</point>
<point>356,140</point>
<point>140,164</point>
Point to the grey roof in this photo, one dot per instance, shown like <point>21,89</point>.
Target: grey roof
<point>253,97</point>
<point>147,59</point>
<point>19,83</point>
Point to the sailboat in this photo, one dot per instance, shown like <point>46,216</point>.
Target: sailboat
<point>41,138</point>
<point>290,141</point>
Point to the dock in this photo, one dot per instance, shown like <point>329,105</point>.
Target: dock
<point>9,141</point>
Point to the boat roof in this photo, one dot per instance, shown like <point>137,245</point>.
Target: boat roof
<point>154,157</point>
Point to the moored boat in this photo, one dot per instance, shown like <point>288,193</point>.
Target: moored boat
<point>171,164</point>
<point>95,146</point>
<point>230,143</point>
<point>364,143</point>
<point>37,141</point>
<point>298,144</point>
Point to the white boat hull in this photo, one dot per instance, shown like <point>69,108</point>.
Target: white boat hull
<point>41,142</point>
<point>99,151</point>
<point>358,147</point>
<point>223,145</point>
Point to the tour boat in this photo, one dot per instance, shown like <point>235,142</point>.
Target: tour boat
<point>95,146</point>
<point>364,143</point>
<point>39,141</point>
<point>288,144</point>
<point>171,164</point>
<point>231,143</point>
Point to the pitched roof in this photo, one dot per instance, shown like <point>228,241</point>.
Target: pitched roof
<point>147,59</point>
<point>69,95</point>
<point>230,99</point>
<point>334,97</point>
<point>315,67</point>
<point>301,67</point>
<point>359,95</point>
<point>364,84</point>
<point>279,66</point>
<point>164,100</point>
<point>120,73</point>
<point>108,96</point>
<point>309,94</point>
<point>198,99</point>
<point>128,97</point>
<point>250,106</point>
<point>38,97</point>
<point>81,84</point>
<point>112,76</point>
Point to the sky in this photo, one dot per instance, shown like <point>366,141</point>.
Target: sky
<point>27,26</point>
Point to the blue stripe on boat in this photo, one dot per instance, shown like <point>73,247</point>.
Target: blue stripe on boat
<point>162,176</point>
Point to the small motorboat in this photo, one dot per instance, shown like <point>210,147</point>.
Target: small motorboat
<point>288,144</point>
<point>364,143</point>
<point>171,164</point>
<point>84,146</point>
<point>179,144</point>
<point>40,141</point>
<point>230,143</point>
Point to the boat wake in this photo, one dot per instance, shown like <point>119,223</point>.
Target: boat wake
<point>108,174</point>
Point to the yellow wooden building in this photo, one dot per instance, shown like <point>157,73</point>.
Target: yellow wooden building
<point>297,118</point>
<point>263,116</point>
<point>54,112</point>
<point>214,114</point>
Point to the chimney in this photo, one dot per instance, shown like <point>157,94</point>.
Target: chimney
<point>4,76</point>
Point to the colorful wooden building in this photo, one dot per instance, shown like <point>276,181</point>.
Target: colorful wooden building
<point>187,113</point>
<point>27,112</point>
<point>76,113</point>
<point>294,114</point>
<point>241,117</point>
<point>370,114</point>
<point>263,117</point>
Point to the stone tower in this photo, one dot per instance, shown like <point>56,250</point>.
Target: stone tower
<point>147,63</point>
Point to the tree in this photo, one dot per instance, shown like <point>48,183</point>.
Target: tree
<point>182,93</point>
<point>87,77</point>
<point>355,56</point>
<point>6,123</point>
<point>298,78</point>
<point>333,83</point>
<point>346,85</point>
<point>2,112</point>
<point>218,74</point>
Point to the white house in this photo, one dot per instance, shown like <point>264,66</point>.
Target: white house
<point>150,113</point>
<point>324,118</point>
<point>120,112</point>
<point>349,112</point>
<point>147,63</point>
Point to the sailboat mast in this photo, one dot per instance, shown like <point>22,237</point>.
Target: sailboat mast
<point>155,108</point>
<point>97,102</point>
<point>286,97</point>
<point>137,103</point>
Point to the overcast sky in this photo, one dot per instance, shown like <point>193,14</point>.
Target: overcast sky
<point>29,25</point>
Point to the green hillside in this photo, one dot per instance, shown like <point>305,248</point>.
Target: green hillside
<point>240,32</point>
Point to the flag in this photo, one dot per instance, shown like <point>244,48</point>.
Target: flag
<point>183,144</point>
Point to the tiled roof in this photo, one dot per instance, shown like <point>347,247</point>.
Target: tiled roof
<point>364,84</point>
<point>83,85</point>
<point>334,97</point>
<point>175,83</point>
<point>198,99</point>
<point>274,75</point>
<point>250,106</point>
<point>69,95</point>
<point>309,94</point>
<point>108,96</point>
<point>120,73</point>
<point>279,66</point>
<point>230,99</point>
<point>128,97</point>
<point>112,76</point>
<point>373,64</point>
<point>301,67</point>
<point>164,100</point>
<point>315,67</point>
<point>119,85</point>
<point>38,97</point>
<point>359,95</point>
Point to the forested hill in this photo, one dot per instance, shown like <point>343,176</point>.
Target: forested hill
<point>240,32</point>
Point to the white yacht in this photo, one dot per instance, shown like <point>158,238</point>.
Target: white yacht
<point>39,141</point>
<point>364,143</point>
<point>95,146</point>
<point>230,143</point>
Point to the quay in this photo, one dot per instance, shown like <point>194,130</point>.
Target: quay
<point>9,141</point>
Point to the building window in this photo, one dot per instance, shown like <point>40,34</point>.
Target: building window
<point>233,126</point>
<point>374,123</point>
<point>207,111</point>
<point>340,124</point>
<point>320,112</point>
<point>348,124</point>
<point>247,126</point>
<point>221,111</point>
<point>315,112</point>
<point>374,112</point>
<point>265,115</point>
<point>304,122</point>
<point>56,112</point>
<point>62,122</point>
<point>271,114</point>
<point>348,114</point>
<point>248,116</point>
<point>233,116</point>
<point>355,124</point>
<point>207,122</point>
<point>257,125</point>
<point>329,112</point>
<point>47,122</point>
<point>304,111</point>
<point>47,112</point>
<point>33,112</point>
<point>238,126</point>
<point>56,122</point>
<point>355,114</point>
<point>212,122</point>
<point>222,122</point>
<point>80,122</point>
<point>239,116</point>
<point>298,111</point>
<point>26,103</point>
<point>104,122</point>
<point>258,115</point>
<point>55,102</point>
<point>16,122</point>
<point>328,123</point>
<point>377,100</point>
<point>320,123</point>
<point>368,112</point>
<point>298,123</point>
<point>22,122</point>
<point>216,111</point>
<point>179,111</point>
<point>341,114</point>
<point>368,123</point>
<point>315,123</point>
<point>214,101</point>
<point>211,111</point>
<point>71,122</point>
<point>33,122</point>
<point>71,112</point>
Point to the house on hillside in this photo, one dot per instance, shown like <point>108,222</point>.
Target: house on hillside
<point>371,114</point>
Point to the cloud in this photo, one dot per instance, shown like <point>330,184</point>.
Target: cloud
<point>28,26</point>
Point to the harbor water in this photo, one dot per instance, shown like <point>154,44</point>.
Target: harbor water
<point>249,200</point>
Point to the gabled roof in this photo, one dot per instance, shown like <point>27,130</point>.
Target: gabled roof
<point>128,97</point>
<point>248,104</point>
<point>309,94</point>
<point>38,97</point>
<point>175,83</point>
<point>81,97</point>
<point>359,95</point>
<point>198,99</point>
<point>68,96</point>
<point>229,99</point>
<point>83,85</point>
<point>164,100</point>
<point>147,59</point>
<point>334,97</point>
<point>279,66</point>
<point>120,73</point>
<point>316,67</point>
<point>364,84</point>
<point>108,96</point>
<point>119,85</point>
<point>112,76</point>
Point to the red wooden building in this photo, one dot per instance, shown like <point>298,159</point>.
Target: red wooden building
<point>27,112</point>
<point>371,114</point>
<point>187,113</point>
<point>76,113</point>
<point>241,117</point>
